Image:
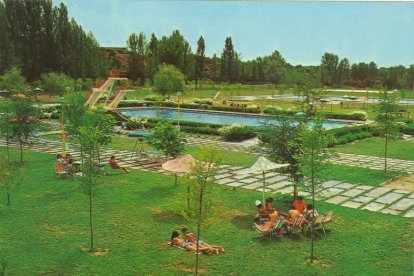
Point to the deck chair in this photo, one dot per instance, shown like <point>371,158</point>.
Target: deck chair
<point>278,226</point>
<point>269,228</point>
<point>297,225</point>
<point>317,225</point>
<point>328,218</point>
<point>60,171</point>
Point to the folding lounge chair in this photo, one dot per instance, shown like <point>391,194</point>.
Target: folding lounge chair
<point>328,218</point>
<point>297,225</point>
<point>317,225</point>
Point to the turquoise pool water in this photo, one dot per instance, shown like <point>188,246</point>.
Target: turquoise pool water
<point>210,117</point>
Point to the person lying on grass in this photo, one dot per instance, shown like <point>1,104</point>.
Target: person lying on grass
<point>115,165</point>
<point>177,240</point>
<point>189,237</point>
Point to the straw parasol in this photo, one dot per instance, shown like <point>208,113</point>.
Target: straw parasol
<point>179,165</point>
<point>262,165</point>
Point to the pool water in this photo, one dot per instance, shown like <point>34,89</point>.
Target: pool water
<point>210,117</point>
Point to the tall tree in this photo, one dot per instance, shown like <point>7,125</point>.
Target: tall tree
<point>153,56</point>
<point>227,60</point>
<point>136,50</point>
<point>329,67</point>
<point>385,120</point>
<point>200,58</point>
<point>343,71</point>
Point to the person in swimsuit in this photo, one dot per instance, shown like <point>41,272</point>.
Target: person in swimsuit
<point>177,240</point>
<point>189,237</point>
<point>115,166</point>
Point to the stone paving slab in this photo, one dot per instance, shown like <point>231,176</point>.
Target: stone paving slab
<point>337,199</point>
<point>409,214</point>
<point>278,185</point>
<point>287,190</point>
<point>403,204</point>
<point>252,186</point>
<point>353,192</point>
<point>389,198</point>
<point>330,183</point>
<point>352,204</point>
<point>373,206</point>
<point>390,211</point>
<point>276,179</point>
<point>331,192</point>
<point>377,192</point>
<point>250,180</point>
<point>345,186</point>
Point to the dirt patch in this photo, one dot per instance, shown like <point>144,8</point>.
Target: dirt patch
<point>191,269</point>
<point>232,214</point>
<point>405,182</point>
<point>54,229</point>
<point>320,262</point>
<point>96,251</point>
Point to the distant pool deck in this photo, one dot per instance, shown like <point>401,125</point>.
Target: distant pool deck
<point>217,117</point>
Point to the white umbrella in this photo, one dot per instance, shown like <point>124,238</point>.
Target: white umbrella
<point>181,164</point>
<point>263,164</point>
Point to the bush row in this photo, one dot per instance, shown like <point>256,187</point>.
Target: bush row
<point>356,116</point>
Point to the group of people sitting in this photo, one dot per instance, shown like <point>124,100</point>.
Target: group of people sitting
<point>64,164</point>
<point>298,210</point>
<point>188,242</point>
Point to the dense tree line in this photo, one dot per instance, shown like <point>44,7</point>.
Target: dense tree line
<point>270,69</point>
<point>40,38</point>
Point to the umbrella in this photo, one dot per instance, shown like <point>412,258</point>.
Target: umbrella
<point>179,165</point>
<point>263,164</point>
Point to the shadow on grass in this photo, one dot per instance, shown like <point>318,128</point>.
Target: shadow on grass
<point>243,221</point>
<point>169,217</point>
<point>157,192</point>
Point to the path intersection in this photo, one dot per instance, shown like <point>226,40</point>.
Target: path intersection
<point>376,199</point>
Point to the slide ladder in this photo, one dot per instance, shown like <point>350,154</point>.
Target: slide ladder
<point>216,96</point>
<point>112,105</point>
<point>97,93</point>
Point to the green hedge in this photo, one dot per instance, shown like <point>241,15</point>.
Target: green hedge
<point>408,129</point>
<point>328,115</point>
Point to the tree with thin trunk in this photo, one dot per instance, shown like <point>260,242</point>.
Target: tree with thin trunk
<point>313,156</point>
<point>201,179</point>
<point>385,121</point>
<point>89,140</point>
<point>200,60</point>
<point>10,176</point>
<point>6,127</point>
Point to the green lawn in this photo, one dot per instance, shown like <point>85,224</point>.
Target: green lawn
<point>45,228</point>
<point>375,147</point>
<point>357,175</point>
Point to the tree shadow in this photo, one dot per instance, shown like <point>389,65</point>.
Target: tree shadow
<point>169,217</point>
<point>242,221</point>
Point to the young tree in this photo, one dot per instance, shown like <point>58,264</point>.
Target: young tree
<point>282,144</point>
<point>312,157</point>
<point>310,103</point>
<point>6,126</point>
<point>168,80</point>
<point>10,176</point>
<point>201,180</point>
<point>167,139</point>
<point>89,140</point>
<point>385,121</point>
<point>25,122</point>
<point>102,124</point>
<point>74,110</point>
<point>200,57</point>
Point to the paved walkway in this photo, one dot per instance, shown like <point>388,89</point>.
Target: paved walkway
<point>377,199</point>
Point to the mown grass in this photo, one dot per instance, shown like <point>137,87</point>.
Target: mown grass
<point>46,227</point>
<point>358,175</point>
<point>399,149</point>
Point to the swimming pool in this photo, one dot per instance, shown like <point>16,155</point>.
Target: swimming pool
<point>221,118</point>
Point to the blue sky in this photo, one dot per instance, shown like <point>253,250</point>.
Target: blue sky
<point>300,31</point>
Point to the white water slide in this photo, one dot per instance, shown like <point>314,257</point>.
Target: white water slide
<point>98,92</point>
<point>112,105</point>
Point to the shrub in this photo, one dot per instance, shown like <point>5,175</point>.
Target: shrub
<point>152,98</point>
<point>270,109</point>
<point>136,123</point>
<point>358,115</point>
<point>237,132</point>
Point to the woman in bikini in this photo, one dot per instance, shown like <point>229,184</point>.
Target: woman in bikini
<point>177,240</point>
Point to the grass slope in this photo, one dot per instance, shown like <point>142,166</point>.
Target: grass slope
<point>46,226</point>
